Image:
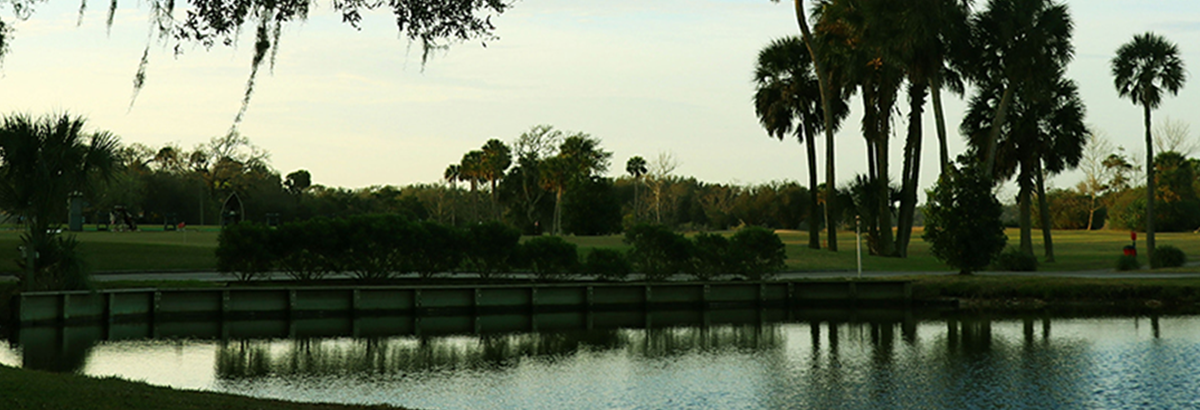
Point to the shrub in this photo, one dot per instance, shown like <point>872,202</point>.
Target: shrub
<point>436,248</point>
<point>549,257</point>
<point>58,264</point>
<point>757,252</point>
<point>1167,256</point>
<point>962,220</point>
<point>243,251</point>
<point>492,245</point>
<point>1127,262</point>
<point>658,252</point>
<point>1013,260</point>
<point>609,264</point>
<point>376,245</point>
<point>306,250</point>
<point>712,256</point>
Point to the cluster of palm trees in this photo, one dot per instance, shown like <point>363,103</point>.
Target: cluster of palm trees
<point>547,160</point>
<point>1025,118</point>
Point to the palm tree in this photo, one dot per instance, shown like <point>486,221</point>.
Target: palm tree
<point>496,159</point>
<point>851,42</point>
<point>42,162</point>
<point>826,88</point>
<point>636,167</point>
<point>1142,69</point>
<point>1045,132</point>
<point>452,175</point>
<point>555,174</point>
<point>1016,43</point>
<point>788,98</point>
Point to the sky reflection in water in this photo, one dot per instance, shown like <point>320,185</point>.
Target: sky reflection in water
<point>932,363</point>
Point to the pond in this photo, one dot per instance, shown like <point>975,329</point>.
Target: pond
<point>744,359</point>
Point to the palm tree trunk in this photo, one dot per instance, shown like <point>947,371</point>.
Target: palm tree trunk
<point>1149,189</point>
<point>939,118</point>
<point>912,167</point>
<point>1044,210</point>
<point>814,229</point>
<point>1025,218</point>
<point>994,135</point>
<point>885,99</point>
<point>636,216</point>
<point>557,212</point>
<point>826,90</point>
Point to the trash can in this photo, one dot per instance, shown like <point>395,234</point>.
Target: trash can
<point>1130,250</point>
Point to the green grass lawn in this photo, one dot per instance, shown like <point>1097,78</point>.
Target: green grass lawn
<point>192,249</point>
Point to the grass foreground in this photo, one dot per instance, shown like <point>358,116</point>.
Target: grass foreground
<point>32,389</point>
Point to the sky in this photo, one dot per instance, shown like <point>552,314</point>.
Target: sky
<point>358,108</point>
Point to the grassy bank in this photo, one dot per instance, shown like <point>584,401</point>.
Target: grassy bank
<point>193,248</point>
<point>31,389</point>
<point>1034,292</point>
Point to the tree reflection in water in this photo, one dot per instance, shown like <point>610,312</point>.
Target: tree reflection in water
<point>803,359</point>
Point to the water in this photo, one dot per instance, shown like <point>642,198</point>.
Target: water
<point>682,360</point>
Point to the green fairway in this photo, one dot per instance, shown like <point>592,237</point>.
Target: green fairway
<point>192,250</point>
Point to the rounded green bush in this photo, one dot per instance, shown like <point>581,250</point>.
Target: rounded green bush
<point>1013,260</point>
<point>1167,256</point>
<point>608,264</point>
<point>1126,262</point>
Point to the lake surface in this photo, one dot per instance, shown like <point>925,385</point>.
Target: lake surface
<point>748,359</point>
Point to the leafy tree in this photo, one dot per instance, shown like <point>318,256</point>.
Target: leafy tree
<point>42,161</point>
<point>298,181</point>
<point>787,98</point>
<point>1141,70</point>
<point>962,220</point>
<point>579,157</point>
<point>592,208</point>
<point>433,24</point>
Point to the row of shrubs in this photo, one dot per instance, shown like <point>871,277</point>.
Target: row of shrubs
<point>382,246</point>
<point>1165,256</point>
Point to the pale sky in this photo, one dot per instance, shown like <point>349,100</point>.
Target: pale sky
<point>355,108</point>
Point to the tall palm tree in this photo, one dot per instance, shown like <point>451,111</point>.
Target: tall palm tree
<point>43,161</point>
<point>826,88</point>
<point>1014,44</point>
<point>1141,70</point>
<point>1044,131</point>
<point>555,174</point>
<point>636,167</point>
<point>496,159</point>
<point>787,99</point>
<point>850,40</point>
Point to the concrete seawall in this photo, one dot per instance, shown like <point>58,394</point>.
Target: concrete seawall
<point>159,305</point>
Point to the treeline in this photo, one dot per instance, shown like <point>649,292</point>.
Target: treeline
<point>546,172</point>
<point>1107,199</point>
<point>381,247</point>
